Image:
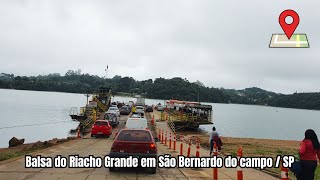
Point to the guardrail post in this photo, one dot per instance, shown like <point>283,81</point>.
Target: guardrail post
<point>239,170</point>
<point>215,170</point>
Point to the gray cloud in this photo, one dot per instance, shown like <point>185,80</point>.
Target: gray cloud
<point>221,43</point>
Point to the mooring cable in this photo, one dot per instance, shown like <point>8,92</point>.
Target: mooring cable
<point>9,127</point>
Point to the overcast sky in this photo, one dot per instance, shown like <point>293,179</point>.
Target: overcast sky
<point>221,43</point>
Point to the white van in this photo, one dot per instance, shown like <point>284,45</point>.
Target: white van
<point>137,123</point>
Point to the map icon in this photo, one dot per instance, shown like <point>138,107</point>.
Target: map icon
<point>289,39</point>
<point>282,41</point>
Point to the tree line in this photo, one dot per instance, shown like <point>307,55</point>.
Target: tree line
<point>160,88</point>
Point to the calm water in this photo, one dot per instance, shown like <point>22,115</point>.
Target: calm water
<point>31,108</point>
<point>45,115</point>
<point>234,120</point>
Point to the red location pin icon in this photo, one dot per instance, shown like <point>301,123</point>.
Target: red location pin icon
<point>289,28</point>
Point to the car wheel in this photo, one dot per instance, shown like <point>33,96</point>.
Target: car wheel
<point>108,136</point>
<point>151,170</point>
<point>91,135</point>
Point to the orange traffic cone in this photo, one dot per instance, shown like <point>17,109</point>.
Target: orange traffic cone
<point>198,148</point>
<point>284,172</point>
<point>239,170</point>
<point>78,133</point>
<point>215,170</point>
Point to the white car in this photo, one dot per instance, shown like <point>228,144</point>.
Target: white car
<point>140,109</point>
<point>160,108</point>
<point>136,116</point>
<point>137,123</point>
<point>114,110</point>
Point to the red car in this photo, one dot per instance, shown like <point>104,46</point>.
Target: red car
<point>101,127</point>
<point>132,142</point>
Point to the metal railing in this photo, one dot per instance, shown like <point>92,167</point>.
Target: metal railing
<point>87,122</point>
<point>73,111</point>
<point>171,125</point>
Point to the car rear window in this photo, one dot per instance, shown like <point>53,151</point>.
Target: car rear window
<point>136,123</point>
<point>101,123</point>
<point>134,135</point>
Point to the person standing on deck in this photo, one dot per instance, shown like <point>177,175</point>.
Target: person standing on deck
<point>214,138</point>
<point>133,109</point>
<point>309,150</point>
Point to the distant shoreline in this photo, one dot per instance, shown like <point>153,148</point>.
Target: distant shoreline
<point>162,99</point>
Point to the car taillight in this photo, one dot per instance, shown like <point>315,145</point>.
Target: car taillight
<point>152,146</point>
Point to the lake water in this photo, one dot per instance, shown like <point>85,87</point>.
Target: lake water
<point>35,115</point>
<point>236,120</point>
<point>42,115</point>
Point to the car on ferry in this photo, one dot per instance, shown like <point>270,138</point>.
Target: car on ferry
<point>136,123</point>
<point>101,128</point>
<point>113,118</point>
<point>160,107</point>
<point>125,110</point>
<point>149,109</point>
<point>114,109</point>
<point>136,116</point>
<point>140,110</point>
<point>136,143</point>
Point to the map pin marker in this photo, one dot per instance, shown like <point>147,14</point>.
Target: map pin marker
<point>289,28</point>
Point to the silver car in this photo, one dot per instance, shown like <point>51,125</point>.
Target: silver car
<point>114,110</point>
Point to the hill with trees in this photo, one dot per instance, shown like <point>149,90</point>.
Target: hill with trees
<point>160,88</point>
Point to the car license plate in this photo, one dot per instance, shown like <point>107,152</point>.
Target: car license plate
<point>99,132</point>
